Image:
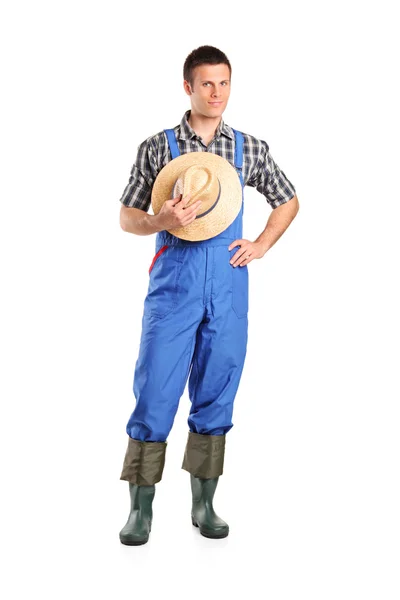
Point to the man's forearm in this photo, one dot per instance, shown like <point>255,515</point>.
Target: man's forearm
<point>134,220</point>
<point>279,220</point>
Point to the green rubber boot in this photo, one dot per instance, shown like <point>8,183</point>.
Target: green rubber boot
<point>203,514</point>
<point>138,526</point>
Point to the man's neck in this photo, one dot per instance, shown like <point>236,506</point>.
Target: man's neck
<point>205,127</point>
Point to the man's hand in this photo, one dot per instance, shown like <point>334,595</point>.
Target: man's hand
<point>279,220</point>
<point>174,213</point>
<point>246,253</point>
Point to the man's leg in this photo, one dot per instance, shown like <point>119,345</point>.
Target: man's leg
<point>161,373</point>
<point>218,361</point>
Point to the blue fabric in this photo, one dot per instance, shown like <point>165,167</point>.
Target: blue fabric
<point>239,139</point>
<point>194,330</point>
<point>173,146</point>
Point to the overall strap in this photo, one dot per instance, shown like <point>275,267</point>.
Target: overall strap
<point>173,146</point>
<point>239,153</point>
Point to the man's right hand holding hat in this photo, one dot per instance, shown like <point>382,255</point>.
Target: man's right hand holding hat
<point>174,213</point>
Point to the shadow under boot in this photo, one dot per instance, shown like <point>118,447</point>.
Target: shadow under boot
<point>203,514</point>
<point>138,526</point>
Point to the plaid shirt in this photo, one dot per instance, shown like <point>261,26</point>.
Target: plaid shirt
<point>259,169</point>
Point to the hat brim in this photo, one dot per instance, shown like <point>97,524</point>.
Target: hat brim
<point>227,207</point>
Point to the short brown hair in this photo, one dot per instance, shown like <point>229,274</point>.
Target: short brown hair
<point>204,55</point>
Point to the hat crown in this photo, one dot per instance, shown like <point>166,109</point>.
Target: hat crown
<point>200,182</point>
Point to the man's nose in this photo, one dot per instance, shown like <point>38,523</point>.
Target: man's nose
<point>216,93</point>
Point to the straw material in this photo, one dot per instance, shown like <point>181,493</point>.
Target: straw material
<point>205,176</point>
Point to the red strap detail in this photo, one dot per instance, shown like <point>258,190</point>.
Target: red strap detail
<point>156,256</point>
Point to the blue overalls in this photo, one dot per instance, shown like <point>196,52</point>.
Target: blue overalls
<point>194,325</point>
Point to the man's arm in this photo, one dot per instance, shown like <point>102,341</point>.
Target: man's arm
<point>174,213</point>
<point>280,193</point>
<point>136,199</point>
<point>135,220</point>
<point>279,220</point>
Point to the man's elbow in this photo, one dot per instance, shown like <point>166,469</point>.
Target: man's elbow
<point>294,203</point>
<point>126,217</point>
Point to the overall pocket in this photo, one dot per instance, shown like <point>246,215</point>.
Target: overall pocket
<point>163,291</point>
<point>240,290</point>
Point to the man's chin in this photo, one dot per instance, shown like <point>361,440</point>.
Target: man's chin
<point>216,111</point>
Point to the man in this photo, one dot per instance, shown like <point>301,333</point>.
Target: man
<point>207,338</point>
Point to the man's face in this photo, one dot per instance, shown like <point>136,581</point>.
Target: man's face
<point>210,91</point>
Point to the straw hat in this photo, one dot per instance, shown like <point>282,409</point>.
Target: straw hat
<point>207,177</point>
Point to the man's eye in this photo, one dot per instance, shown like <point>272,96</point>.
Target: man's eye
<point>206,83</point>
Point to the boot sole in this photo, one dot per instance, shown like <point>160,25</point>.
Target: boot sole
<point>214,536</point>
<point>129,542</point>
<point>133,543</point>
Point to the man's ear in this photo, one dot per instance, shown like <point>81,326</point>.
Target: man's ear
<point>187,87</point>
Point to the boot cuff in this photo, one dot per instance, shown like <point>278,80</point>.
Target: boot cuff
<point>144,462</point>
<point>204,455</point>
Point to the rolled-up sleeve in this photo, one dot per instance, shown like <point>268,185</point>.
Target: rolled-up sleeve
<point>270,180</point>
<point>137,193</point>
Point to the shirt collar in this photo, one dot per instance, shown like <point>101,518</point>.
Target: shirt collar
<point>187,133</point>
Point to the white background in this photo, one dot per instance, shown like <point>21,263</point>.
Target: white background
<point>311,482</point>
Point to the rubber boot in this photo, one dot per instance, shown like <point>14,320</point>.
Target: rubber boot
<point>138,526</point>
<point>203,514</point>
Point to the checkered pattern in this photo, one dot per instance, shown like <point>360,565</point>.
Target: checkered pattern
<point>259,169</point>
